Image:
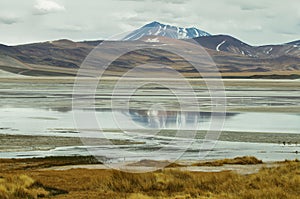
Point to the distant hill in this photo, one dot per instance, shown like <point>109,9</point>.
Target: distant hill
<point>232,56</point>
<point>230,44</point>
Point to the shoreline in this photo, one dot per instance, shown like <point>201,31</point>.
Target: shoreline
<point>57,178</point>
<point>13,142</point>
<point>64,163</point>
<point>69,79</point>
<point>20,147</point>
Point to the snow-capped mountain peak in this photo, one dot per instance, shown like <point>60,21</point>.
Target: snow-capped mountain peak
<point>157,29</point>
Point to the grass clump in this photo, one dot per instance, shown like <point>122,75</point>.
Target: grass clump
<point>21,186</point>
<point>158,164</point>
<point>245,160</point>
<point>280,182</point>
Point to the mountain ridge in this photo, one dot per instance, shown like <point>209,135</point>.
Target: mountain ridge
<point>231,55</point>
<point>158,29</point>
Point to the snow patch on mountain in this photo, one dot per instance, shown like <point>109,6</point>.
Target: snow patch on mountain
<point>218,46</point>
<point>268,51</point>
<point>158,29</point>
<point>152,40</point>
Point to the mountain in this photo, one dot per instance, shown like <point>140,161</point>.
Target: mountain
<point>225,43</point>
<point>63,53</point>
<point>157,29</point>
<point>64,57</point>
<point>220,43</point>
<point>295,43</point>
<point>55,58</point>
<point>232,56</point>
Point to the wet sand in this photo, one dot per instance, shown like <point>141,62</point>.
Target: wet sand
<point>31,143</point>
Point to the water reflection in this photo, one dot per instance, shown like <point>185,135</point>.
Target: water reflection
<point>161,119</point>
<point>62,109</point>
<point>44,120</point>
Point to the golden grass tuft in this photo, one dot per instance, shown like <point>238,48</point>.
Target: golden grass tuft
<point>245,160</point>
<point>20,186</point>
<point>279,182</point>
<point>155,163</point>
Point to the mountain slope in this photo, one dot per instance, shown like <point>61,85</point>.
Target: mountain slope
<point>64,57</point>
<point>62,53</point>
<point>225,43</point>
<point>232,56</point>
<point>158,29</point>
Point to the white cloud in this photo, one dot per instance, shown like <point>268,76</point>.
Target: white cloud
<point>8,19</point>
<point>161,1</point>
<point>43,7</point>
<point>69,28</point>
<point>255,22</point>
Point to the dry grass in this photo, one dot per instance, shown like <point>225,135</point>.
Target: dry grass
<point>281,182</point>
<point>158,164</point>
<point>20,186</point>
<point>277,182</point>
<point>38,163</point>
<point>246,160</point>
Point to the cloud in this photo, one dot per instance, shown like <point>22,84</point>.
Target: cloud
<point>252,7</point>
<point>8,20</point>
<point>69,28</point>
<point>249,5</point>
<point>43,7</point>
<point>162,1</point>
<point>255,22</point>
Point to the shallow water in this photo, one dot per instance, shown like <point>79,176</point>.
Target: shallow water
<point>221,149</point>
<point>46,109</point>
<point>54,123</point>
<point>31,121</point>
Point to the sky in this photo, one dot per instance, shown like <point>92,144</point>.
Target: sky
<point>256,22</point>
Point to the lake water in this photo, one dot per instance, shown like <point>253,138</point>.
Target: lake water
<point>46,110</point>
<point>30,121</point>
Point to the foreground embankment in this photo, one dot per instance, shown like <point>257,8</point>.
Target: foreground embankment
<point>35,178</point>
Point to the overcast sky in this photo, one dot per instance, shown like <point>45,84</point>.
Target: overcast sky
<point>254,21</point>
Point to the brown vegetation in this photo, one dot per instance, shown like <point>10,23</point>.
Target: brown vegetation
<point>158,164</point>
<point>277,182</point>
<point>20,186</point>
<point>38,163</point>
<point>246,160</point>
